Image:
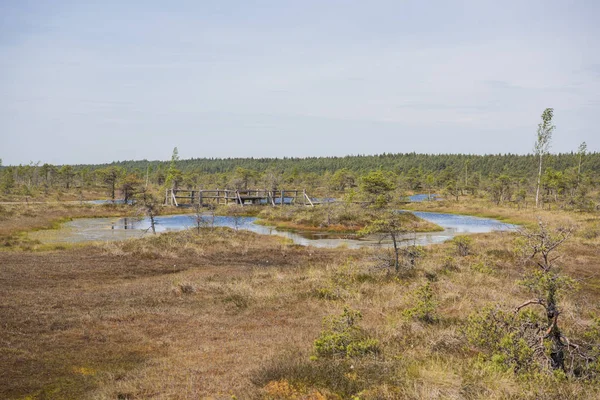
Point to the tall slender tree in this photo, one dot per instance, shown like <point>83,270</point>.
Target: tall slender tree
<point>580,153</point>
<point>542,145</point>
<point>173,174</point>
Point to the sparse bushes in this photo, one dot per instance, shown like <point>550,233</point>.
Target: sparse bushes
<point>337,217</point>
<point>339,286</point>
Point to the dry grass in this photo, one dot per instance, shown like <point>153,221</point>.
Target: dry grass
<point>55,195</point>
<point>333,218</point>
<point>233,313</point>
<point>116,316</point>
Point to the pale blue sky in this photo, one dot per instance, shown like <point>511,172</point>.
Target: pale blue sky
<point>97,81</point>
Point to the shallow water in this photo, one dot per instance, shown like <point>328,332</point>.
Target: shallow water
<point>417,198</point>
<point>103,229</point>
<point>116,201</point>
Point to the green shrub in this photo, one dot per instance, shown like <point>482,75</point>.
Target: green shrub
<point>424,309</point>
<point>328,293</point>
<point>341,337</point>
<point>507,340</point>
<point>482,267</point>
<point>463,245</point>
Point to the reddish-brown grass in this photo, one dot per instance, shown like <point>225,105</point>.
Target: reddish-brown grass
<point>233,313</point>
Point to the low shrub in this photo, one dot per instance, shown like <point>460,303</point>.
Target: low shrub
<point>424,309</point>
<point>342,337</point>
<point>463,245</point>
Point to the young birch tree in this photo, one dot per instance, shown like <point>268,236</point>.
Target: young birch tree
<point>542,145</point>
<point>581,153</point>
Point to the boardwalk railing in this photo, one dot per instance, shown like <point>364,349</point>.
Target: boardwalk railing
<point>202,197</point>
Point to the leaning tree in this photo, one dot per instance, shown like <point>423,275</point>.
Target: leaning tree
<point>522,339</point>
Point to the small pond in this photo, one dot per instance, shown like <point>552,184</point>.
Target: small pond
<point>103,229</point>
<point>418,198</point>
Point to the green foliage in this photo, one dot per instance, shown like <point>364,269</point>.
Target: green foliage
<point>110,176</point>
<point>149,205</point>
<point>340,285</point>
<point>328,293</point>
<point>376,183</point>
<point>542,144</point>
<point>376,188</point>
<point>505,338</point>
<point>501,189</point>
<point>482,266</point>
<point>425,305</point>
<point>334,216</point>
<point>342,179</point>
<point>449,264</point>
<point>393,225</point>
<point>377,175</point>
<point>341,337</point>
<point>174,175</point>
<point>463,244</point>
<point>550,285</point>
<point>7,181</point>
<point>544,132</point>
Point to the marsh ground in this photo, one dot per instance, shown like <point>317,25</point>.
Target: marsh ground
<point>228,313</point>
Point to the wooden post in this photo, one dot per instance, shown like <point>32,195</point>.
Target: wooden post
<point>200,197</point>
<point>308,198</point>
<point>272,197</point>
<point>281,196</point>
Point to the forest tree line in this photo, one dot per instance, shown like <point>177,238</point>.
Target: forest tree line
<point>568,178</point>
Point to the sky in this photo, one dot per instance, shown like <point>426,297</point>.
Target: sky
<point>100,81</point>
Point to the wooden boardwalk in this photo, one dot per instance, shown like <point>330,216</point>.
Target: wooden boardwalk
<point>187,197</point>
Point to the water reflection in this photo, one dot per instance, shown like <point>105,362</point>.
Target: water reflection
<point>417,198</point>
<point>102,229</point>
<point>126,223</point>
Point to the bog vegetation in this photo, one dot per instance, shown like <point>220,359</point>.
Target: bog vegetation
<point>220,313</point>
<point>566,180</point>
